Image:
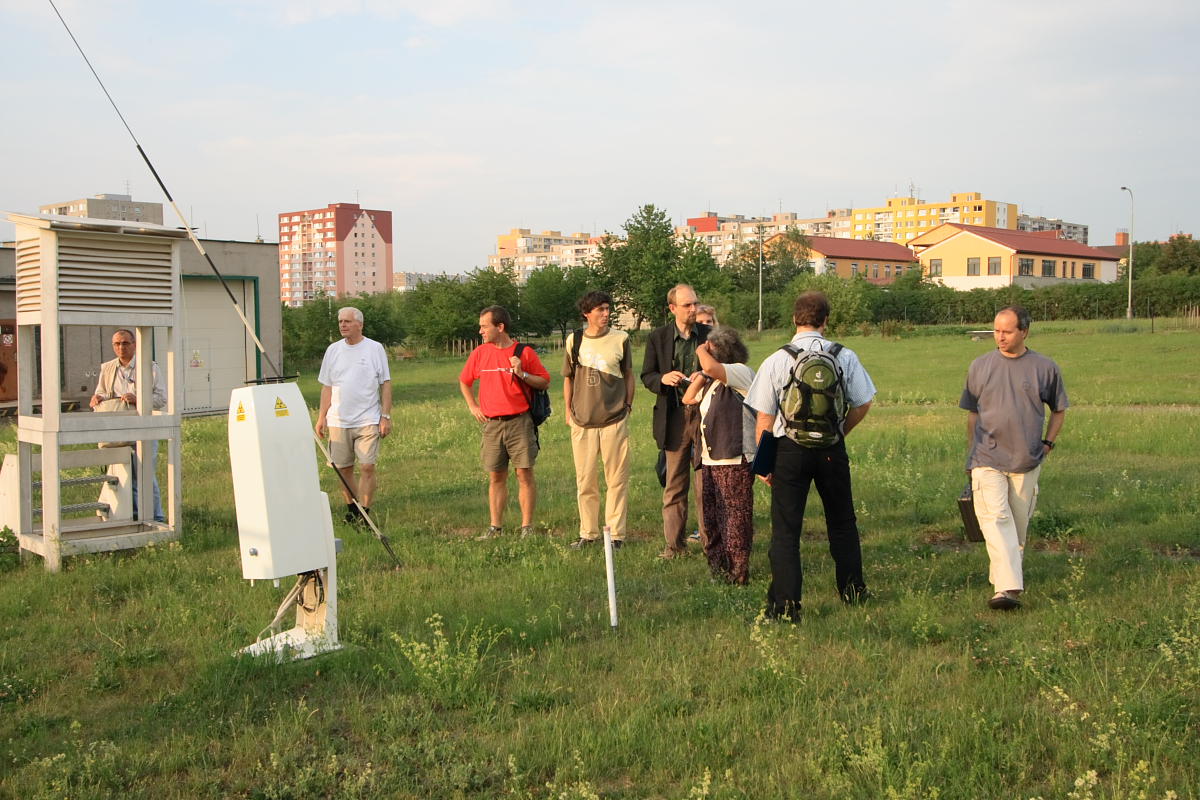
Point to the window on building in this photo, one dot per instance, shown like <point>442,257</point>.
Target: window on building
<point>831,266</point>
<point>1048,267</point>
<point>874,270</point>
<point>854,269</point>
<point>972,266</point>
<point>993,265</point>
<point>1089,270</point>
<point>935,266</point>
<point>887,270</point>
<point>1025,266</point>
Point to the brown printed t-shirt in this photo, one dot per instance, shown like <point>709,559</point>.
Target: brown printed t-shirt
<point>598,385</point>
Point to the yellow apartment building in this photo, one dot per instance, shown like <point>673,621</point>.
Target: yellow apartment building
<point>903,219</point>
<point>523,240</point>
<point>526,252</point>
<point>973,257</point>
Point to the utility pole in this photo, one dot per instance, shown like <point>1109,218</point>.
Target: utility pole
<point>1129,266</point>
<point>760,271</point>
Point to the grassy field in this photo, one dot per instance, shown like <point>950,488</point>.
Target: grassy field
<point>489,670</point>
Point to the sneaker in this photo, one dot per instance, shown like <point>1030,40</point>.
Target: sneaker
<point>527,530</point>
<point>618,544</point>
<point>581,543</point>
<point>694,536</point>
<point>1004,601</point>
<point>492,532</point>
<point>351,516</point>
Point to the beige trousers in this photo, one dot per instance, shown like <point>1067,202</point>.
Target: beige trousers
<point>609,444</point>
<point>1004,502</point>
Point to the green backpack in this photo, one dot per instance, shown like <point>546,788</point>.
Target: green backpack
<point>814,400</point>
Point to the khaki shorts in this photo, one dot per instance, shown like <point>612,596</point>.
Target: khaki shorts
<point>506,440</point>
<point>347,443</point>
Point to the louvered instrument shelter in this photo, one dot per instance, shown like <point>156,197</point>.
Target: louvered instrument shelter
<point>92,272</point>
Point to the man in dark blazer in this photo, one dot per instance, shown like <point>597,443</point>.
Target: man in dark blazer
<point>669,363</point>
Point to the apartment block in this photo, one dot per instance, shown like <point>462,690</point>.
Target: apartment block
<point>723,234</point>
<point>408,281</point>
<point>525,251</point>
<point>339,250</point>
<point>108,206</point>
<point>1069,230</point>
<point>903,219</point>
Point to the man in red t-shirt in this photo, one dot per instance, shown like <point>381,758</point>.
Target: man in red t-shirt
<point>509,435</point>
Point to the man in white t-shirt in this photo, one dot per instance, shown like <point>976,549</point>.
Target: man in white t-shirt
<point>356,406</point>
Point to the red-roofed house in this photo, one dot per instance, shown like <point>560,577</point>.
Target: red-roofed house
<point>974,257</point>
<point>878,262</point>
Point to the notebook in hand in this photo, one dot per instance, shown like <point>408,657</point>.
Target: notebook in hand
<point>764,457</point>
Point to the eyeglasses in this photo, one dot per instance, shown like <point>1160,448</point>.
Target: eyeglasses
<point>122,344</point>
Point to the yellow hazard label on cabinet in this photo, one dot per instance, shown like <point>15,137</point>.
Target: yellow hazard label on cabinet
<point>241,413</point>
<point>281,409</point>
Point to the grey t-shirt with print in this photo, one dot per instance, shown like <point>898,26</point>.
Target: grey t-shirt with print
<point>1010,395</point>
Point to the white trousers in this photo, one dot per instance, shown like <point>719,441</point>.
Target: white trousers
<point>1004,502</point>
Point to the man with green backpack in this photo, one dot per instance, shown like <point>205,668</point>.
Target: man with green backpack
<point>809,395</point>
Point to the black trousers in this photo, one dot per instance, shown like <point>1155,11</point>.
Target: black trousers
<point>796,469</point>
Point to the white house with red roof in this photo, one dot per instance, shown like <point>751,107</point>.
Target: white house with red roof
<point>976,257</point>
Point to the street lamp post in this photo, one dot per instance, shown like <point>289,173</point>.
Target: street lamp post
<point>1129,265</point>
<point>760,269</point>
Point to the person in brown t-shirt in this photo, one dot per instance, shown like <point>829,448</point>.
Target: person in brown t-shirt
<point>598,396</point>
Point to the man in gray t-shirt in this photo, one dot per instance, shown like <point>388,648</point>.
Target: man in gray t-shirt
<point>1006,396</point>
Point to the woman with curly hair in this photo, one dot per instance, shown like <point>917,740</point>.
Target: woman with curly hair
<point>726,448</point>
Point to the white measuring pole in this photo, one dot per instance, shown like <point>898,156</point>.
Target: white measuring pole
<point>612,578</point>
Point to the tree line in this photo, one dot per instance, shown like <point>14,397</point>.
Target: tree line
<point>638,269</point>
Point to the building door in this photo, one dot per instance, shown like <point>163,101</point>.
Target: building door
<point>197,375</point>
<point>218,355</point>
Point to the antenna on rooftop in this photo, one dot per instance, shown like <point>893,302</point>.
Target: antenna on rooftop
<point>127,189</point>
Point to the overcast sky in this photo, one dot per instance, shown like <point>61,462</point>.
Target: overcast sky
<point>469,117</point>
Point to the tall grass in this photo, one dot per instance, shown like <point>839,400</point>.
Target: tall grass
<point>487,669</point>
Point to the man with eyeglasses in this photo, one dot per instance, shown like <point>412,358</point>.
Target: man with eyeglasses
<point>118,381</point>
<point>670,360</point>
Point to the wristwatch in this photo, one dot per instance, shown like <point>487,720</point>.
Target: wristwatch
<point>385,416</point>
<point>1048,443</point>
